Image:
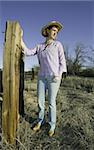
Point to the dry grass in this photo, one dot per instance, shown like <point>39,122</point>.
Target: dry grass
<point>75,118</point>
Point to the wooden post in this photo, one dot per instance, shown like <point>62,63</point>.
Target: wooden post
<point>21,87</point>
<point>11,80</point>
<point>33,74</point>
<point>1,86</point>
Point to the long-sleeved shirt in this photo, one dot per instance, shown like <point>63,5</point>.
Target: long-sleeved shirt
<point>51,58</point>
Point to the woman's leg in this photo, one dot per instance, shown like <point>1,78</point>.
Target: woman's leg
<point>53,88</point>
<point>41,98</point>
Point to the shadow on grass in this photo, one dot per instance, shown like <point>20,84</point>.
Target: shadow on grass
<point>29,119</point>
<point>74,138</point>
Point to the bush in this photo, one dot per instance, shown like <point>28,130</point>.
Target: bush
<point>89,72</point>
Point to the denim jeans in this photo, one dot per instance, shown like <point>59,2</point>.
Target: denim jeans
<point>43,84</point>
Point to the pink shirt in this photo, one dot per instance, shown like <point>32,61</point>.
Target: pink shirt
<point>51,58</point>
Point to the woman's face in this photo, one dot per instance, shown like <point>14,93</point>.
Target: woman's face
<point>52,33</point>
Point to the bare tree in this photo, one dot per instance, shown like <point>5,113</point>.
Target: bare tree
<point>90,56</point>
<point>76,62</point>
<point>83,57</point>
<point>80,57</point>
<point>68,59</point>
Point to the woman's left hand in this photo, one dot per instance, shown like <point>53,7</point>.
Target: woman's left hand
<point>56,78</point>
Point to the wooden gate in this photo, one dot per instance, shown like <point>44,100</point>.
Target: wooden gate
<point>13,80</point>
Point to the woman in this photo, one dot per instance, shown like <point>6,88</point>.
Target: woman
<point>52,65</point>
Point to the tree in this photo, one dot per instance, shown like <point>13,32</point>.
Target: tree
<point>83,58</point>
<point>76,62</point>
<point>68,59</point>
<point>80,58</point>
<point>90,56</point>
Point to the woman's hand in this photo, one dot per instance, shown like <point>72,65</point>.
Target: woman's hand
<point>23,51</point>
<point>21,48</point>
<point>56,78</point>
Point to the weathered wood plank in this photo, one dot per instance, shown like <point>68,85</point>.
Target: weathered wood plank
<point>6,79</point>
<point>11,80</point>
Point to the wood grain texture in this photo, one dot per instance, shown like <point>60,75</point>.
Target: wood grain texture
<point>11,80</point>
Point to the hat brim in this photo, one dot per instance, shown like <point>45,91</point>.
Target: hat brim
<point>44,29</point>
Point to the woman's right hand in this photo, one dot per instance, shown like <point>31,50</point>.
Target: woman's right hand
<point>22,46</point>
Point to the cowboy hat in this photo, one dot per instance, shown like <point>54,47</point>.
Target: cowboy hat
<point>52,23</point>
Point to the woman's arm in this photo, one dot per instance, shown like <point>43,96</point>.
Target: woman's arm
<point>27,51</point>
<point>62,60</point>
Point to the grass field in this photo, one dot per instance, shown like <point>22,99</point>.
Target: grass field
<point>75,118</point>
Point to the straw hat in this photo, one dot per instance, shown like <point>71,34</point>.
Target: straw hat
<point>52,23</point>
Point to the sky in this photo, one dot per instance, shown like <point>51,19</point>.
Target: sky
<point>77,18</point>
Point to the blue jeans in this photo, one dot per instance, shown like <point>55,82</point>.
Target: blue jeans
<point>43,84</point>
